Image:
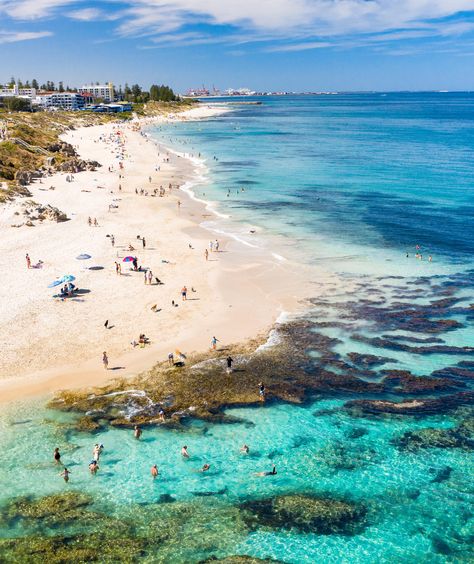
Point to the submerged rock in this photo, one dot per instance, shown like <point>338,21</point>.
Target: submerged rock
<point>461,436</point>
<point>305,513</point>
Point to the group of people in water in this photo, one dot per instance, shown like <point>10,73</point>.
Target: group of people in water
<point>137,433</point>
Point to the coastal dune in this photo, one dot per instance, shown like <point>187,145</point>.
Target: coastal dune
<point>50,344</point>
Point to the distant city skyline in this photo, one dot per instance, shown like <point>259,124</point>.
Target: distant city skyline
<point>292,45</point>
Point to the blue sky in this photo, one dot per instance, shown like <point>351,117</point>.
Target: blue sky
<point>261,44</point>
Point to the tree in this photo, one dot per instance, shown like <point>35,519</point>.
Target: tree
<point>61,87</point>
<point>127,93</point>
<point>12,82</point>
<point>17,104</point>
<point>162,93</point>
<point>34,84</point>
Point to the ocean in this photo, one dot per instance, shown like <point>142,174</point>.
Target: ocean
<point>358,184</point>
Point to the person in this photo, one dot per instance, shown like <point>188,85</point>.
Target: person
<point>135,263</point>
<point>244,449</point>
<point>206,254</point>
<point>57,456</point>
<point>272,473</point>
<point>184,452</point>
<point>28,261</point>
<point>170,359</point>
<point>105,360</point>
<point>154,471</point>
<point>97,451</point>
<point>89,221</point>
<point>261,391</point>
<point>161,413</point>
<point>150,277</point>
<point>137,432</point>
<point>145,277</point>
<point>430,258</point>
<point>106,324</point>
<point>93,467</point>
<point>95,222</point>
<point>229,361</point>
<point>112,240</point>
<point>216,246</point>
<point>214,343</point>
<point>117,268</point>
<point>65,474</point>
<point>184,292</point>
<point>143,242</point>
<point>211,246</point>
<point>149,179</point>
<point>205,468</point>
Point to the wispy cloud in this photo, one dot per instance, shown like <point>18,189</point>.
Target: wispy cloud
<point>14,36</point>
<point>290,25</point>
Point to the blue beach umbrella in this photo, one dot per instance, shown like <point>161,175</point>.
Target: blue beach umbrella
<point>84,256</point>
<point>55,283</point>
<point>68,278</point>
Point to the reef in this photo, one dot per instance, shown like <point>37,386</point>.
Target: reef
<point>305,513</point>
<point>417,406</point>
<point>461,436</point>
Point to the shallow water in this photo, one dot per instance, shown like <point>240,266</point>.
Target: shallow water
<point>350,183</point>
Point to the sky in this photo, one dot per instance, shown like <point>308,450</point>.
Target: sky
<point>292,45</point>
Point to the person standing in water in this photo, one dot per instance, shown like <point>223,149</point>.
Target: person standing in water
<point>65,474</point>
<point>137,432</point>
<point>57,456</point>
<point>105,360</point>
<point>154,471</point>
<point>184,452</point>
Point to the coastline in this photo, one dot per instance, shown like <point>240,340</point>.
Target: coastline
<point>240,291</point>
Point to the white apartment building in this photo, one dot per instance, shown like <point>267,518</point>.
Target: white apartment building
<point>104,91</point>
<point>17,92</point>
<point>70,101</point>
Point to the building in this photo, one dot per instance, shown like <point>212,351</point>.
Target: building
<point>17,92</point>
<point>110,108</point>
<point>105,92</point>
<point>70,101</point>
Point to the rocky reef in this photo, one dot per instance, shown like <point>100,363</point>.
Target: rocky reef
<point>305,513</point>
<point>461,436</point>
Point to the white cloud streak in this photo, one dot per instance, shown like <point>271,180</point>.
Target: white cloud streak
<point>14,36</point>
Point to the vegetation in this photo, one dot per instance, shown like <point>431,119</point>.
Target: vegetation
<point>14,104</point>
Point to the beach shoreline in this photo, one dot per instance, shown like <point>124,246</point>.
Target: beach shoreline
<point>239,292</point>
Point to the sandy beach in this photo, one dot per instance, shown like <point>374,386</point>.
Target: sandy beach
<point>51,343</point>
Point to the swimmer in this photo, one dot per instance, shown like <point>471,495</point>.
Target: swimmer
<point>93,466</point>
<point>65,474</point>
<point>57,456</point>
<point>154,471</point>
<point>137,432</point>
<point>272,473</point>
<point>244,449</point>
<point>205,468</point>
<point>184,452</point>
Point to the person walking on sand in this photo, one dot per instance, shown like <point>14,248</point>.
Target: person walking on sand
<point>206,254</point>
<point>105,360</point>
<point>117,268</point>
<point>89,221</point>
<point>154,471</point>
<point>184,293</point>
<point>211,246</point>
<point>150,276</point>
<point>57,456</point>
<point>184,452</point>
<point>216,246</point>
<point>214,342</point>
<point>143,242</point>
<point>28,261</point>
<point>137,432</point>
<point>65,474</point>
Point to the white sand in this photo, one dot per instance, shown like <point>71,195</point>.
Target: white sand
<point>49,344</point>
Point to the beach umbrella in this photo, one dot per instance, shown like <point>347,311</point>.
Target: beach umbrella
<point>68,278</point>
<point>55,283</point>
<point>128,259</point>
<point>83,256</point>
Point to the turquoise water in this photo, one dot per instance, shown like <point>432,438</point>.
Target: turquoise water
<point>349,183</point>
